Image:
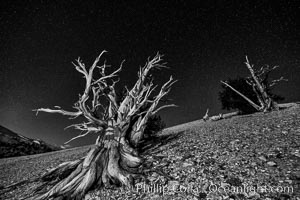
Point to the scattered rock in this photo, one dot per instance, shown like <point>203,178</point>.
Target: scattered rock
<point>202,195</point>
<point>186,164</point>
<point>295,176</point>
<point>253,195</point>
<point>284,197</point>
<point>156,196</point>
<point>234,181</point>
<point>213,160</point>
<point>225,185</point>
<point>152,179</point>
<point>296,153</point>
<point>284,132</point>
<point>263,158</point>
<point>272,164</point>
<point>289,181</point>
<point>173,185</point>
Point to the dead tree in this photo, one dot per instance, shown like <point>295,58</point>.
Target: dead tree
<point>212,118</point>
<point>206,116</point>
<point>113,160</point>
<point>217,117</point>
<point>260,85</point>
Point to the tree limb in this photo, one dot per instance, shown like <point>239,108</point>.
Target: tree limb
<point>243,96</point>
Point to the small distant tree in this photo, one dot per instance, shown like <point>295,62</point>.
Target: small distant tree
<point>255,89</point>
<point>232,100</point>
<point>120,123</point>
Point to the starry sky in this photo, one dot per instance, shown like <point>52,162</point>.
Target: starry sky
<point>203,42</point>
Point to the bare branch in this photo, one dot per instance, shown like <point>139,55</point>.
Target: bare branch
<point>96,62</point>
<point>63,112</point>
<point>163,107</point>
<point>78,136</point>
<point>83,126</point>
<point>246,98</point>
<point>265,70</point>
<point>113,74</point>
<point>206,117</point>
<point>137,99</point>
<point>140,84</point>
<point>258,83</point>
<point>275,82</point>
<point>165,89</point>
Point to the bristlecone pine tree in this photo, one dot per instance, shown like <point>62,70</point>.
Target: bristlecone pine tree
<point>261,86</point>
<point>113,160</point>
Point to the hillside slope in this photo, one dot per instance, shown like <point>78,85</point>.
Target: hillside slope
<point>210,160</point>
<point>13,144</point>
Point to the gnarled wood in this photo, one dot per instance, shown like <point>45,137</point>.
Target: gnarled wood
<point>259,83</point>
<point>114,159</point>
<point>246,98</point>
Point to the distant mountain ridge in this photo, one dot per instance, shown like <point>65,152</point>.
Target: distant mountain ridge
<point>13,144</point>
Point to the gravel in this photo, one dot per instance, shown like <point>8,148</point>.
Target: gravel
<point>244,157</point>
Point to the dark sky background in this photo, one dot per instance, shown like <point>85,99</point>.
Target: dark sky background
<point>203,42</point>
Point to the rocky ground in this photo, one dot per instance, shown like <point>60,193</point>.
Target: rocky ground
<point>245,157</point>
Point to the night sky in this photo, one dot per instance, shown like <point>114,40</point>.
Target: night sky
<point>203,42</point>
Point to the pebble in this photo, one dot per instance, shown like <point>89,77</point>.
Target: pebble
<point>151,179</point>
<point>173,184</point>
<point>253,194</point>
<point>187,164</point>
<point>271,163</point>
<point>289,181</point>
<point>284,132</point>
<point>297,153</point>
<point>263,158</point>
<point>225,185</point>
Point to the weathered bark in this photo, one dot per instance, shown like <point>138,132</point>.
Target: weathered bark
<point>259,89</point>
<point>258,81</point>
<point>114,159</point>
<point>109,162</point>
<point>206,116</point>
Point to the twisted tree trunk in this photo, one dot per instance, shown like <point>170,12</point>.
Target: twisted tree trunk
<point>113,160</point>
<point>265,100</point>
<point>109,162</point>
<point>258,81</point>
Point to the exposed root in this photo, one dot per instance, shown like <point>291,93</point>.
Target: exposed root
<point>103,166</point>
<point>114,162</point>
